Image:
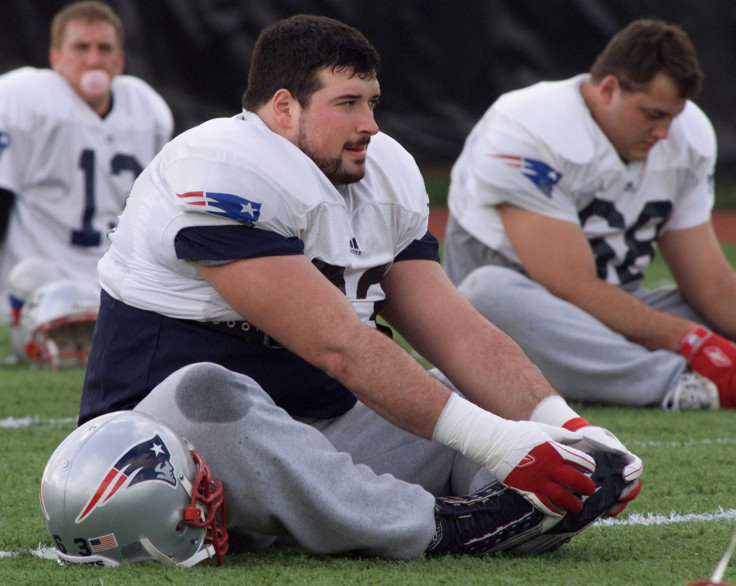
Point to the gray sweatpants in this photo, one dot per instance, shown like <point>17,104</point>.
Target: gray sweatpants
<point>354,483</point>
<point>584,359</point>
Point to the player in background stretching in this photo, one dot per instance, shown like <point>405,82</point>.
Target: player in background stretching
<point>73,139</point>
<point>563,193</point>
<point>239,305</point>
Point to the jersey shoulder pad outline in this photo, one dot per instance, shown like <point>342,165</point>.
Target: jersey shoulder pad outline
<point>554,114</point>
<point>697,130</point>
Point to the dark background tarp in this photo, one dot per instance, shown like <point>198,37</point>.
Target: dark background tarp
<point>444,61</point>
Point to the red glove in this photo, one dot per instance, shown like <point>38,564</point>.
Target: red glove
<point>714,357</point>
<point>549,475</point>
<point>530,457</point>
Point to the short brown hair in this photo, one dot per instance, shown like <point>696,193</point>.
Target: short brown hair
<point>645,48</point>
<point>89,10</point>
<point>290,54</point>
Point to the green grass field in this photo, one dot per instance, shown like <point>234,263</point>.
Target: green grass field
<point>675,532</point>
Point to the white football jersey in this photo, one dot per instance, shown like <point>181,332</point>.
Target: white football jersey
<point>237,172</point>
<point>539,149</point>
<point>70,169</point>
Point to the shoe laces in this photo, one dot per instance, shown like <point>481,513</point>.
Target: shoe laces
<point>691,391</point>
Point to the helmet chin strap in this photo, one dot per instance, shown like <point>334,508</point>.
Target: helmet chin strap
<point>208,551</point>
<point>205,553</point>
<point>187,485</point>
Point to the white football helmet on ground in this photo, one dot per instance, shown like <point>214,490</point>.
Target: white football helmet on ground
<point>126,487</point>
<point>25,277</point>
<point>56,323</point>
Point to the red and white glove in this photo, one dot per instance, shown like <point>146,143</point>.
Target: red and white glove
<point>555,411</point>
<point>548,473</point>
<point>714,357</point>
<point>529,457</point>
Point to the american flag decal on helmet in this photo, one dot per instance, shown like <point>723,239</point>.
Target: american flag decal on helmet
<point>148,460</point>
<point>223,204</point>
<point>104,542</point>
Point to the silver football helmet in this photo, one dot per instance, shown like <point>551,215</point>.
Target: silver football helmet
<point>126,487</point>
<point>57,321</point>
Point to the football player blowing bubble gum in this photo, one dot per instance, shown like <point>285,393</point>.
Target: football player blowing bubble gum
<point>94,129</point>
<point>89,58</point>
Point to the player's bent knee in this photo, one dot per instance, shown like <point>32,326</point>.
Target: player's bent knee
<point>206,391</point>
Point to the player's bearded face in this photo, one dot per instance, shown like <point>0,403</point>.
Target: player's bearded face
<point>336,126</point>
<point>334,168</point>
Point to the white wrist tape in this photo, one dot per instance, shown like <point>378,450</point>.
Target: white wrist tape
<point>553,410</point>
<point>493,442</point>
<point>473,432</point>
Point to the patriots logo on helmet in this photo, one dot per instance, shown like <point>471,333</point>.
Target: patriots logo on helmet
<point>538,172</point>
<point>149,460</point>
<point>223,204</point>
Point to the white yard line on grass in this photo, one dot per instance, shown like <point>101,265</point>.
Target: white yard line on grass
<point>23,422</point>
<point>679,444</point>
<point>48,553</point>
<point>657,519</point>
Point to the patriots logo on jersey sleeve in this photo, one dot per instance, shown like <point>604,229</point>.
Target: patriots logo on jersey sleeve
<point>147,461</point>
<point>4,141</point>
<point>538,172</point>
<point>223,204</point>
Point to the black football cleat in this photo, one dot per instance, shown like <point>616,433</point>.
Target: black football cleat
<point>495,518</point>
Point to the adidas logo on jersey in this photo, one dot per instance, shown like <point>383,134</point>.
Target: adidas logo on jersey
<point>354,248</point>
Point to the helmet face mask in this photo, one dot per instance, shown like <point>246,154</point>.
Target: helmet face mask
<point>62,343</point>
<point>56,324</point>
<point>126,488</point>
